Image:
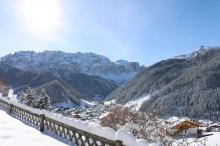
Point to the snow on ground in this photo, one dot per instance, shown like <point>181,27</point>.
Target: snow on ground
<point>129,140</point>
<point>14,132</point>
<point>110,102</point>
<point>85,103</point>
<point>103,115</point>
<point>212,140</point>
<point>93,127</point>
<point>136,104</point>
<point>69,104</point>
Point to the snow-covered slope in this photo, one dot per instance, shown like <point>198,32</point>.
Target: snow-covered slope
<point>212,140</point>
<point>88,63</point>
<point>201,51</point>
<point>136,104</point>
<point>14,132</point>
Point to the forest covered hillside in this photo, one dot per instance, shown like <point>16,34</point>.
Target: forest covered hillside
<point>181,86</point>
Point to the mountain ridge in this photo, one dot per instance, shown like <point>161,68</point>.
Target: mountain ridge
<point>94,76</point>
<point>182,87</point>
<point>20,81</point>
<point>87,63</point>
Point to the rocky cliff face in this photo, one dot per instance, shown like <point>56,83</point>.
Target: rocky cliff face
<point>87,63</point>
<point>186,86</point>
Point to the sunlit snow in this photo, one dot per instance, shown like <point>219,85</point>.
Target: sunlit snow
<point>14,132</point>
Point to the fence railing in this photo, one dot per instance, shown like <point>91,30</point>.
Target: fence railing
<point>44,122</point>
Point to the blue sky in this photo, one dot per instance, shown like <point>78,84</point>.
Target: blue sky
<point>146,31</point>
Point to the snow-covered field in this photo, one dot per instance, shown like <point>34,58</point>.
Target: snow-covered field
<point>14,132</point>
<point>212,140</point>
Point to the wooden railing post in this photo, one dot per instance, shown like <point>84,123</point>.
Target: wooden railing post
<point>59,128</point>
<point>10,108</point>
<point>42,118</point>
<point>118,143</point>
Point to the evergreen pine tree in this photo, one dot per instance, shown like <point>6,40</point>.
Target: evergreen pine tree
<point>29,98</point>
<point>43,100</point>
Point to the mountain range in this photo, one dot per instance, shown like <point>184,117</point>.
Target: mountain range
<point>87,63</point>
<point>187,85</point>
<point>67,77</point>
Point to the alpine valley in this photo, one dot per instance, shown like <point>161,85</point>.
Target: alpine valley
<point>67,77</point>
<point>122,95</point>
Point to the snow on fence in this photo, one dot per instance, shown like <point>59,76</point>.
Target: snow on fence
<point>44,121</point>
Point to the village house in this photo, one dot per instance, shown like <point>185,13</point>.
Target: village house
<point>213,128</point>
<point>186,127</point>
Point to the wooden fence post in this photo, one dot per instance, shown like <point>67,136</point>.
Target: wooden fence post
<point>118,143</point>
<point>64,130</point>
<point>10,108</point>
<point>42,118</point>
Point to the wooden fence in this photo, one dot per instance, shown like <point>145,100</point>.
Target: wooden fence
<point>43,122</point>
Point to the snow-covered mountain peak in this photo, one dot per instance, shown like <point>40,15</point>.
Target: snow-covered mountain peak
<point>122,62</point>
<point>88,63</point>
<point>203,50</point>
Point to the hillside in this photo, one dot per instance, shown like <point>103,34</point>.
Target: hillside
<point>21,80</point>
<point>186,86</point>
<point>61,92</point>
<point>91,86</point>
